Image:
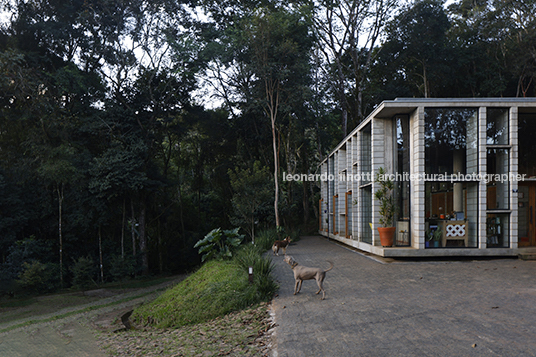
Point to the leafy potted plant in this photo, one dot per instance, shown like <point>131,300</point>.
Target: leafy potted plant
<point>437,238</point>
<point>385,198</point>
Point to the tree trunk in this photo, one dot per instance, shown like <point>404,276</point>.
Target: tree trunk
<point>143,241</point>
<point>123,230</point>
<point>133,227</point>
<point>59,189</point>
<point>100,256</point>
<point>305,204</point>
<point>276,174</point>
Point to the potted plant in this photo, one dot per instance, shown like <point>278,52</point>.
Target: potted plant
<point>385,198</point>
<point>433,238</point>
<point>437,238</point>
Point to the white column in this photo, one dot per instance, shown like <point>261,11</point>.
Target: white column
<point>514,169</point>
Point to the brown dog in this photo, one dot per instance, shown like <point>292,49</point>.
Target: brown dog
<point>302,273</point>
<point>281,244</point>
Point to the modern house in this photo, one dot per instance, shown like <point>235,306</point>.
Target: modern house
<point>465,178</point>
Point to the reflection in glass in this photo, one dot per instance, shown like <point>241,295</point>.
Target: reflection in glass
<point>527,144</point>
<point>451,140</point>
<point>403,186</point>
<point>497,126</point>
<point>498,187</point>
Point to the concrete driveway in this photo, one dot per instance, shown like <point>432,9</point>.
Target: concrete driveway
<point>404,308</point>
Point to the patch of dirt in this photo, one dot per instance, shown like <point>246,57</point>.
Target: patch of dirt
<point>242,333</point>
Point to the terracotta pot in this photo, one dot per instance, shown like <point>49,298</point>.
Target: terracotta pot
<point>387,235</point>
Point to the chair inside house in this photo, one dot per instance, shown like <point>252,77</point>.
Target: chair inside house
<point>454,230</point>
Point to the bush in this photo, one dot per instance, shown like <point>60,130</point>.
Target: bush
<point>265,239</point>
<point>84,273</point>
<point>219,244</point>
<point>37,277</point>
<point>122,268</point>
<point>251,256</point>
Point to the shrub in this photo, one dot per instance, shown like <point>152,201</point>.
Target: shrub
<point>219,244</point>
<point>84,273</point>
<point>36,277</point>
<point>251,256</point>
<point>265,239</point>
<point>122,268</point>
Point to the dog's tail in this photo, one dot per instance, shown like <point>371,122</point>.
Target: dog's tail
<point>331,267</point>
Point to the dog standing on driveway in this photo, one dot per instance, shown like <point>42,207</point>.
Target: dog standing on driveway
<point>281,244</point>
<point>302,273</point>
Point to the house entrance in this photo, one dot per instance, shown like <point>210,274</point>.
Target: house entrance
<point>527,214</point>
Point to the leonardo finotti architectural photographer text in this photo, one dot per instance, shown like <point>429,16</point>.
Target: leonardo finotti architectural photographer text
<point>406,176</point>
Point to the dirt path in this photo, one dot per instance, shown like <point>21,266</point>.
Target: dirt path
<point>71,330</point>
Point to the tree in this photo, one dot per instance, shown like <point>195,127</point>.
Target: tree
<point>347,33</point>
<point>279,43</point>
<point>250,193</point>
<point>417,46</point>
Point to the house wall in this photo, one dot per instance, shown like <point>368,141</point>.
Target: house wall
<point>354,157</point>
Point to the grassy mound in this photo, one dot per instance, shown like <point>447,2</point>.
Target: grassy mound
<point>216,289</point>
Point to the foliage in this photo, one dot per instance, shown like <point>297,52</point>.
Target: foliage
<point>122,268</point>
<point>252,256</point>
<point>37,277</point>
<point>385,197</point>
<point>218,244</point>
<point>104,125</point>
<point>84,273</point>
<point>266,238</point>
<point>251,193</point>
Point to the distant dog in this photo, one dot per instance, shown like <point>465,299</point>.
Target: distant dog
<point>281,244</point>
<point>302,273</point>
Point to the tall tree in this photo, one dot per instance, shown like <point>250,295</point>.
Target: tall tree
<point>279,54</point>
<point>348,31</point>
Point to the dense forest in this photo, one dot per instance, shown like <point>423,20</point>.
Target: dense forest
<point>130,129</point>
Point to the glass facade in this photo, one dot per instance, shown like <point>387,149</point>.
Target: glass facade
<point>451,150</point>
<point>402,188</point>
<point>465,154</point>
<point>498,187</point>
<point>527,144</point>
<point>497,126</point>
<point>451,140</point>
<point>451,203</point>
<point>366,184</point>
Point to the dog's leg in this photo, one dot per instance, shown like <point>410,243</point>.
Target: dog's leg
<point>299,284</point>
<point>320,287</point>
<point>296,290</point>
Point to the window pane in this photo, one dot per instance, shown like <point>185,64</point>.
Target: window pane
<point>527,144</point>
<point>497,126</point>
<point>451,140</point>
<point>447,204</point>
<point>498,196</point>
<point>497,228</point>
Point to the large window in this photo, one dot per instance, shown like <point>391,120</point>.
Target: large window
<point>451,140</point>
<point>498,186</point>
<point>403,186</point>
<point>497,126</point>
<point>498,169</point>
<point>366,185</point>
<point>527,144</point>
<point>448,204</point>
<point>451,150</point>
